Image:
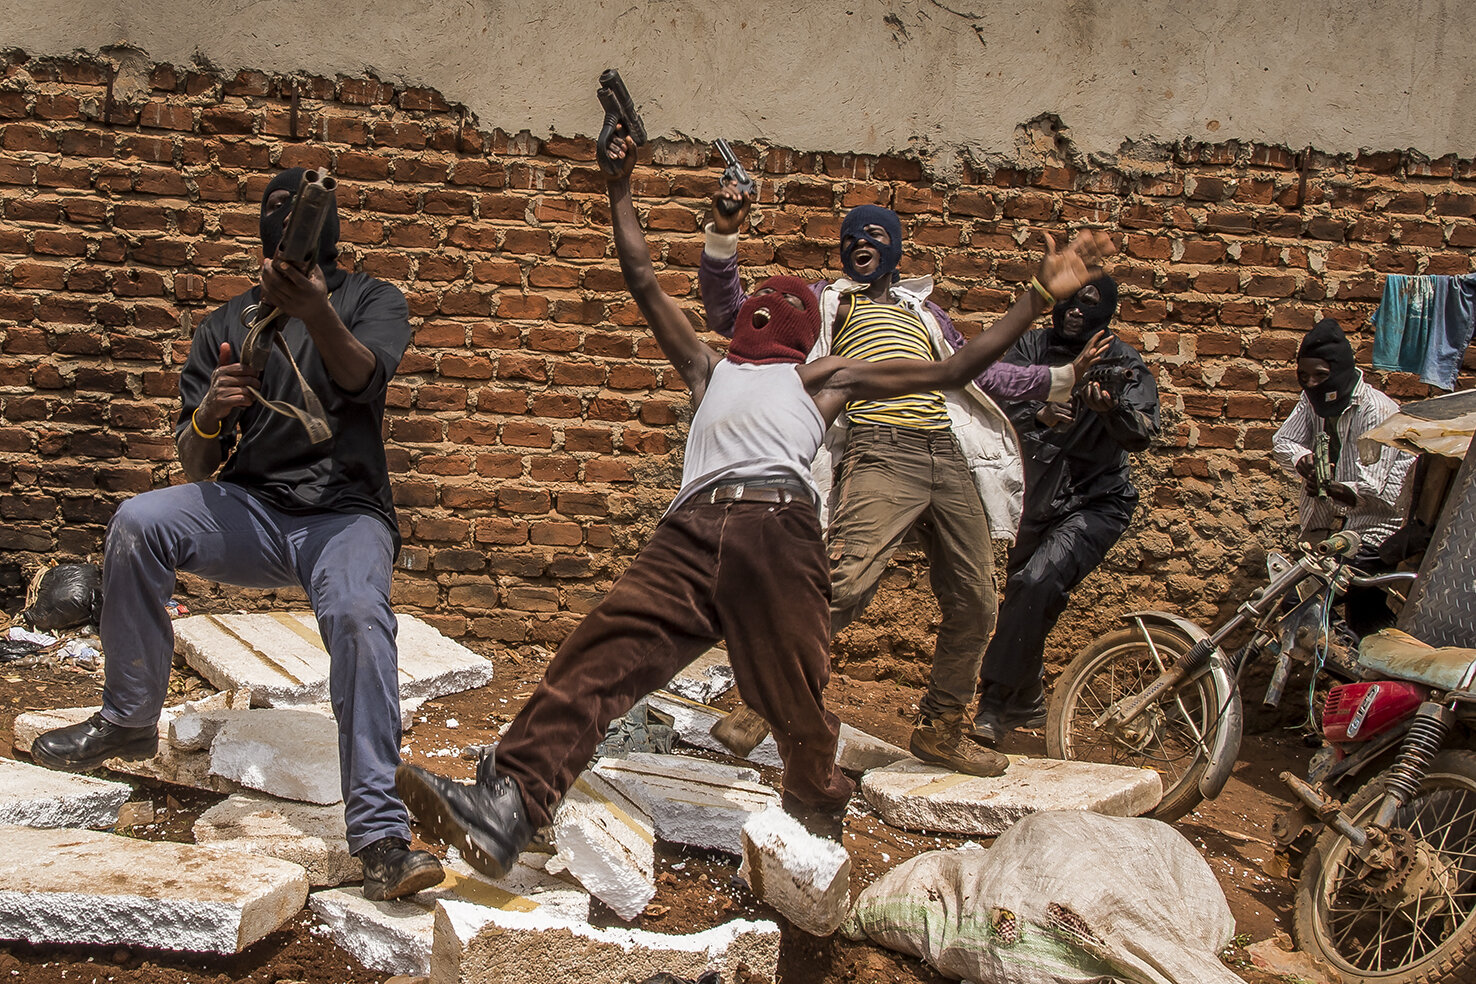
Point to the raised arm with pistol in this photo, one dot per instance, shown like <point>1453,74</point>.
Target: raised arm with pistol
<point>736,177</point>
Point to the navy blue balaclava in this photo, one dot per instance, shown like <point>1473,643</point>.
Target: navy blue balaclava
<point>853,227</point>
<point>274,223</point>
<point>1327,342</point>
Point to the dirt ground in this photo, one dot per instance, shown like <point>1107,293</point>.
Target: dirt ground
<point>695,889</point>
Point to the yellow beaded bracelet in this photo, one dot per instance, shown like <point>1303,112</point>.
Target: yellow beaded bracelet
<point>209,437</point>
<point>1045,295</point>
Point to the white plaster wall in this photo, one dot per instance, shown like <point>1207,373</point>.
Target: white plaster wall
<point>942,77</point>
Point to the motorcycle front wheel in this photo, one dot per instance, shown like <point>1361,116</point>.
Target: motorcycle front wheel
<point>1415,928</point>
<point>1171,736</point>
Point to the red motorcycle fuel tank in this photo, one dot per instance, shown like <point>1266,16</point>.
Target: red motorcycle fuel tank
<point>1360,711</point>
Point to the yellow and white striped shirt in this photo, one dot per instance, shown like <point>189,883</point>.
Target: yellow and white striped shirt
<point>877,332</point>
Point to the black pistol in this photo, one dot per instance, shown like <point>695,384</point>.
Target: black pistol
<point>299,247</point>
<point>733,172</point>
<point>619,110</point>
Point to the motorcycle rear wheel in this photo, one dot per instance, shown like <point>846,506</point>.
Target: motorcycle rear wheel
<point>1118,665</point>
<point>1366,943</point>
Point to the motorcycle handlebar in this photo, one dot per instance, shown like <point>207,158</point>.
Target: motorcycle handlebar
<point>1382,580</point>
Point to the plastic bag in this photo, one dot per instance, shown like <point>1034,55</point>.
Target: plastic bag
<point>67,596</point>
<point>641,730</point>
<point>1061,898</point>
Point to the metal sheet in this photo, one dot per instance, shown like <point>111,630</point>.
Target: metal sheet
<point>1442,606</point>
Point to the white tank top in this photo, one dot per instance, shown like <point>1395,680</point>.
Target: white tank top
<point>754,422</point>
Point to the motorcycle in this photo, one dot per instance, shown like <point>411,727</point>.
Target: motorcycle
<point>1383,837</point>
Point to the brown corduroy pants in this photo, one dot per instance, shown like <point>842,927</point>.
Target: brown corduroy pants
<point>752,573</point>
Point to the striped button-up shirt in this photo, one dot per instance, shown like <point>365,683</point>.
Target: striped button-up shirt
<point>1378,483</point>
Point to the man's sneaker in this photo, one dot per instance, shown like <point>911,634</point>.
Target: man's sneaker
<point>941,741</point>
<point>392,870</point>
<point>989,729</point>
<point>83,747</point>
<point>486,820</point>
<point>830,824</point>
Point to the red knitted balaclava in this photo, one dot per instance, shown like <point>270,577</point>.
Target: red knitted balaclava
<point>769,329</point>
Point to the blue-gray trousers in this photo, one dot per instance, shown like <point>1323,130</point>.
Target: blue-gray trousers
<point>343,561</point>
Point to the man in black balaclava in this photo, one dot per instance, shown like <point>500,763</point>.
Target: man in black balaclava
<point>1336,407</point>
<point>282,511</point>
<point>944,466</point>
<point>1079,496</point>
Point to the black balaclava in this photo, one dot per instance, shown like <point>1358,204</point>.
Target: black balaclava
<point>1094,317</point>
<point>274,225</point>
<point>1327,342</point>
<point>853,226</point>
<point>782,333</point>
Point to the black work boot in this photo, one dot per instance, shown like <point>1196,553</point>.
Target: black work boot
<point>941,741</point>
<point>486,820</point>
<point>83,747</point>
<point>829,824</point>
<point>392,870</point>
<point>990,727</point>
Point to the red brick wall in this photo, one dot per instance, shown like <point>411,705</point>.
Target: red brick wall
<point>534,432</point>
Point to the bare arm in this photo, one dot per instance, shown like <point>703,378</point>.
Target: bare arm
<point>200,456</point>
<point>834,382</point>
<point>691,357</point>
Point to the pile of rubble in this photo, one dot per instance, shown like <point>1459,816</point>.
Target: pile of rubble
<point>277,840</point>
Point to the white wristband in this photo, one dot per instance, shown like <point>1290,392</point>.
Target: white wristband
<point>719,245</point>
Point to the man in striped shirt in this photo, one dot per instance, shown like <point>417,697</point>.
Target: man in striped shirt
<point>945,465</point>
<point>1363,497</point>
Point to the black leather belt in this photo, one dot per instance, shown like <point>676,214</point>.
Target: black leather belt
<point>765,490</point>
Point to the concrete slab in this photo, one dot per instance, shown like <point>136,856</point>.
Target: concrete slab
<point>281,657</point>
<point>807,879</point>
<point>288,752</point>
<point>473,947</point>
<point>396,937</point>
<point>304,833</point>
<point>606,841</point>
<point>79,886</point>
<point>31,796</point>
<point>915,796</point>
<point>693,722</point>
<point>690,800</point>
<point>706,678</point>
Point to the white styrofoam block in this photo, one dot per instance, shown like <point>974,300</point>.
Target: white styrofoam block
<point>287,752</point>
<point>479,946</point>
<point>81,886</point>
<point>306,834</point>
<point>281,657</point>
<point>172,765</point>
<point>606,841</point>
<point>916,796</point>
<point>705,679</point>
<point>31,796</point>
<point>691,801</point>
<point>807,879</point>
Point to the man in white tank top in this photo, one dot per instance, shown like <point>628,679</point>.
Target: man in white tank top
<point>739,555</point>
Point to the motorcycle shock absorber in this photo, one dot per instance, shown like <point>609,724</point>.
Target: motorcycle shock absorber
<point>1426,737</point>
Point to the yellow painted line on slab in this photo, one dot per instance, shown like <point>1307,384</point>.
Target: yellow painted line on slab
<point>619,814</point>
<point>482,893</point>
<point>941,784</point>
<point>294,625</point>
<point>215,620</point>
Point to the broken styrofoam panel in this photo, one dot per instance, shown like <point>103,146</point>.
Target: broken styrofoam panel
<point>82,886</point>
<point>805,878</point>
<point>916,796</point>
<point>306,834</point>
<point>475,946</point>
<point>701,767</point>
<point>857,751</point>
<point>395,937</point>
<point>169,765</point>
<point>606,841</point>
<point>288,752</point>
<point>691,801</point>
<point>192,726</point>
<point>693,723</point>
<point>280,655</point>
<point>705,679</point>
<point>31,796</point>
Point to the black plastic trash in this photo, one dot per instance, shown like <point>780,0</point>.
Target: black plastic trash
<point>69,595</point>
<point>14,649</point>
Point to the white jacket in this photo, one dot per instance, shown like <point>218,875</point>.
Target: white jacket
<point>984,433</point>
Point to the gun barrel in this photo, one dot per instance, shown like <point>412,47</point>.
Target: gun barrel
<point>621,104</point>
<point>729,158</point>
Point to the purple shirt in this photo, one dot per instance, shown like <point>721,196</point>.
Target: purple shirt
<point>722,296</point>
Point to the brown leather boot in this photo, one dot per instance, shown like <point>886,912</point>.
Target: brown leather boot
<point>942,741</point>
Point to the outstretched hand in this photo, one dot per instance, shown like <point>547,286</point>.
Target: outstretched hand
<point>1066,271</point>
<point>620,152</point>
